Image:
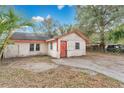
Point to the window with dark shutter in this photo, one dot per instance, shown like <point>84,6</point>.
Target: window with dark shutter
<point>77,45</point>
<point>37,47</point>
<point>31,47</point>
<point>51,45</point>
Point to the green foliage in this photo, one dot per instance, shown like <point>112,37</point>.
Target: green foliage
<point>99,18</point>
<point>117,35</point>
<point>9,20</point>
<point>65,28</point>
<point>121,41</point>
<point>95,38</point>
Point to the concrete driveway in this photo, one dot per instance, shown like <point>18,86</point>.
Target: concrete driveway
<point>110,65</point>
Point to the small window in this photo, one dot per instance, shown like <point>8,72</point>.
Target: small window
<point>37,47</point>
<point>51,45</point>
<point>31,47</point>
<point>77,45</point>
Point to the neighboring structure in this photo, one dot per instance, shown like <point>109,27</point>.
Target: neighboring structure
<point>70,44</point>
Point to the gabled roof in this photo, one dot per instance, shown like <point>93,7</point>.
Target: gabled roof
<point>76,31</point>
<point>29,36</point>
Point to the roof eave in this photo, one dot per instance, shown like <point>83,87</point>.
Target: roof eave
<point>29,41</point>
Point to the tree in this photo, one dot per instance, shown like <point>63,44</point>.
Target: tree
<point>52,27</point>
<point>99,19</point>
<point>65,28</point>
<point>48,26</point>
<point>117,35</point>
<point>9,21</point>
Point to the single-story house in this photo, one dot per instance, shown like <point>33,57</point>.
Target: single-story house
<point>70,44</point>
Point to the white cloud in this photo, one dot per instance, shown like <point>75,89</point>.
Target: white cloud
<point>60,7</point>
<point>38,19</point>
<point>48,16</point>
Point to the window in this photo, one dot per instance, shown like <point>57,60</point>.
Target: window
<point>37,47</point>
<point>51,46</point>
<point>31,47</point>
<point>77,45</point>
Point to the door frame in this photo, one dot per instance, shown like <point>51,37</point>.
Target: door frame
<point>65,49</point>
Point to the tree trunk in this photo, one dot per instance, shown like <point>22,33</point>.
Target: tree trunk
<point>102,40</point>
<point>4,46</point>
<point>102,46</point>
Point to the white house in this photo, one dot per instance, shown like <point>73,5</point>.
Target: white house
<point>70,44</point>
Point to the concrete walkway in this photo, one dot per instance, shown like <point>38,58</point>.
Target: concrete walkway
<point>111,66</point>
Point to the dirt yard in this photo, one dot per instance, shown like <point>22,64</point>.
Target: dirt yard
<point>26,72</point>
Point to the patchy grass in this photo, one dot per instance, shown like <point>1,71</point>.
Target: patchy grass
<point>59,77</point>
<point>62,76</point>
<point>23,60</point>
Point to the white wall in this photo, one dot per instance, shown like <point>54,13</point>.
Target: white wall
<point>11,51</point>
<point>23,49</point>
<point>53,52</point>
<point>71,40</point>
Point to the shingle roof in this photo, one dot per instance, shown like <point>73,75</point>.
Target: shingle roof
<point>29,36</point>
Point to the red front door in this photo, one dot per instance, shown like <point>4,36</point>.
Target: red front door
<point>63,49</point>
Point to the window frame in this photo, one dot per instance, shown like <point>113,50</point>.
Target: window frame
<point>37,48</point>
<point>77,45</point>
<point>31,48</point>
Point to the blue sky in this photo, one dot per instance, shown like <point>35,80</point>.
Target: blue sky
<point>64,14</point>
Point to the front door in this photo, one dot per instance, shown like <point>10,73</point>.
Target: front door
<point>63,49</point>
